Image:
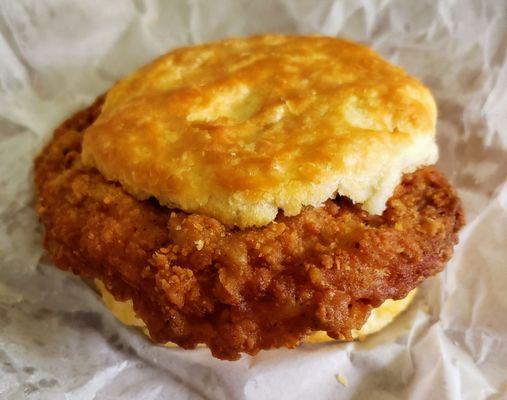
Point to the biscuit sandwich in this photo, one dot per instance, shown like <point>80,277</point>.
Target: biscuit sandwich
<point>252,193</point>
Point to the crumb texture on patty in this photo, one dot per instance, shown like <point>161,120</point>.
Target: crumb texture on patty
<point>194,280</point>
<point>242,128</point>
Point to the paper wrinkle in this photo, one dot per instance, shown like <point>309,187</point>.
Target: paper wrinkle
<point>57,341</point>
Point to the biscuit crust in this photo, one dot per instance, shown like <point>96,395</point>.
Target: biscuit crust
<point>242,128</point>
<point>378,319</point>
<point>194,280</point>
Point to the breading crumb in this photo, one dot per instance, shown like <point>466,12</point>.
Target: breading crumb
<point>342,379</point>
<point>199,244</point>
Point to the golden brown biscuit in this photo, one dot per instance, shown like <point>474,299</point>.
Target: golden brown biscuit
<point>379,318</point>
<point>208,129</point>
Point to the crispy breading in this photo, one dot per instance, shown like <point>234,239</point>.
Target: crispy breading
<point>194,280</point>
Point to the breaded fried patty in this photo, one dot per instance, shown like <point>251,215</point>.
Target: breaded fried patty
<point>194,280</point>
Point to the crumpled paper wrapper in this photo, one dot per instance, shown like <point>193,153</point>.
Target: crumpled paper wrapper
<point>57,341</point>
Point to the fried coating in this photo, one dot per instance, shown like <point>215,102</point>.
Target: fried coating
<point>194,280</point>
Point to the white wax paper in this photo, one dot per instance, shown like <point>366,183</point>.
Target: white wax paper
<point>57,341</point>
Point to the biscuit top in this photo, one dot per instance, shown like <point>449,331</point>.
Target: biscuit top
<point>242,128</point>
